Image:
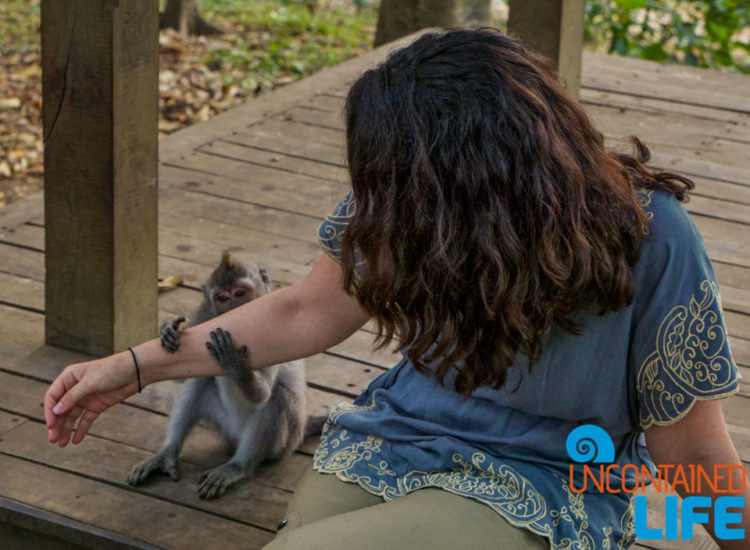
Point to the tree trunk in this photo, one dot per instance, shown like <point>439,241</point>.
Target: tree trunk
<point>398,18</point>
<point>183,15</point>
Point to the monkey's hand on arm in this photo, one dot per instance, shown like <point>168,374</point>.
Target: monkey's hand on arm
<point>169,334</point>
<point>234,361</point>
<point>288,324</point>
<point>701,438</point>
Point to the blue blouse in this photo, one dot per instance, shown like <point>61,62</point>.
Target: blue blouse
<point>506,447</point>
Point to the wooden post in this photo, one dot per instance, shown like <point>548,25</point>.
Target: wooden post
<point>553,28</point>
<point>100,78</point>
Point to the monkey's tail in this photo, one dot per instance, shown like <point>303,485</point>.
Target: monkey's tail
<point>314,424</point>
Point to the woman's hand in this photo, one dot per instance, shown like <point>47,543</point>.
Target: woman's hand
<point>82,391</point>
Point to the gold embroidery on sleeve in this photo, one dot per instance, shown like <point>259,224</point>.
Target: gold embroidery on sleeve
<point>688,354</point>
<point>644,199</point>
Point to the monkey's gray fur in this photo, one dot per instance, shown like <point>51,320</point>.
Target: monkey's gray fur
<point>261,412</point>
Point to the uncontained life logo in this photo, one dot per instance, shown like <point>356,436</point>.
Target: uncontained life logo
<point>591,447</point>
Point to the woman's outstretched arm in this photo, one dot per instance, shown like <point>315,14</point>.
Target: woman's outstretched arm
<point>291,323</point>
<point>702,439</point>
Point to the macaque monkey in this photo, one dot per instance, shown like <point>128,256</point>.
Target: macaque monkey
<point>261,413</point>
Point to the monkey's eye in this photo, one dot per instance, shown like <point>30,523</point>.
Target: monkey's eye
<point>222,297</point>
<point>239,293</point>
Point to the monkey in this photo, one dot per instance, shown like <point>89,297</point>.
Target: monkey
<point>261,413</point>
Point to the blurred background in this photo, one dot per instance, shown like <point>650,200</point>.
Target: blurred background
<point>225,51</point>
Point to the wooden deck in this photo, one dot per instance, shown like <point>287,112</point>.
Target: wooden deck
<point>258,180</point>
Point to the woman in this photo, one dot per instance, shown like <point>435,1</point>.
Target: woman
<point>534,281</point>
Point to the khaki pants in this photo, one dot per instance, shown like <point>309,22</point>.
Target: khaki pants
<point>326,513</point>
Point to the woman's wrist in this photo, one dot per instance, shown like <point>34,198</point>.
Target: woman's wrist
<point>156,363</point>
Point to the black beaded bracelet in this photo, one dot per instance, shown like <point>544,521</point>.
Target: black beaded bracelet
<point>137,369</point>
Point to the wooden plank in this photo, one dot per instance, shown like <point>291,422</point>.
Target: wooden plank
<point>555,30</point>
<point>658,106</point>
<point>655,115</point>
<point>691,165</point>
<point>110,461</point>
<point>738,324</point>
<point>19,212</point>
<point>22,262</point>
<point>100,70</point>
<point>23,526</point>
<point>732,275</point>
<point>317,118</point>
<point>673,82</point>
<point>9,422</point>
<point>741,353</point>
<point>27,235</point>
<point>226,149</point>
<point>22,292</point>
<point>120,510</point>
<point>287,135</point>
<point>266,187</point>
<point>736,299</point>
<point>256,219</point>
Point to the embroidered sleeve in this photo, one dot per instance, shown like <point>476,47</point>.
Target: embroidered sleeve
<point>331,231</point>
<point>680,350</point>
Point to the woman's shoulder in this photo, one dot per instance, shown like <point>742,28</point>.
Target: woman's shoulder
<point>666,215</point>
<point>671,229</point>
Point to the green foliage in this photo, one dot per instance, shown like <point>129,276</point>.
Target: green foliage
<point>702,33</point>
<point>285,39</point>
<point>19,25</point>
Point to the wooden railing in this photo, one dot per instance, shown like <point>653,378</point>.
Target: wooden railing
<point>100,73</point>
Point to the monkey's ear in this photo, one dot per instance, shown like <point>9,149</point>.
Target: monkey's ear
<point>264,276</point>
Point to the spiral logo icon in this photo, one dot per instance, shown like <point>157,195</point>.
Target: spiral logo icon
<point>589,443</point>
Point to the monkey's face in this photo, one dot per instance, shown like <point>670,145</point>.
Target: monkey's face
<point>227,298</point>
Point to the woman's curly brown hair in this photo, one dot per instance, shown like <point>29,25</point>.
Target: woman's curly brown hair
<point>487,207</point>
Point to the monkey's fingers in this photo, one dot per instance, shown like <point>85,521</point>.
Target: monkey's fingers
<point>169,467</point>
<point>177,321</point>
<point>224,338</point>
<point>170,339</point>
<point>214,483</point>
<point>219,341</point>
<point>214,352</point>
<point>165,463</point>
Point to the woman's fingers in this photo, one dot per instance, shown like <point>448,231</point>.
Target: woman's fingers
<point>68,423</point>
<point>83,426</point>
<point>55,392</point>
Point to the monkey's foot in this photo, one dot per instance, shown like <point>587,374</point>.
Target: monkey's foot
<point>169,334</point>
<point>214,483</point>
<point>166,463</point>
